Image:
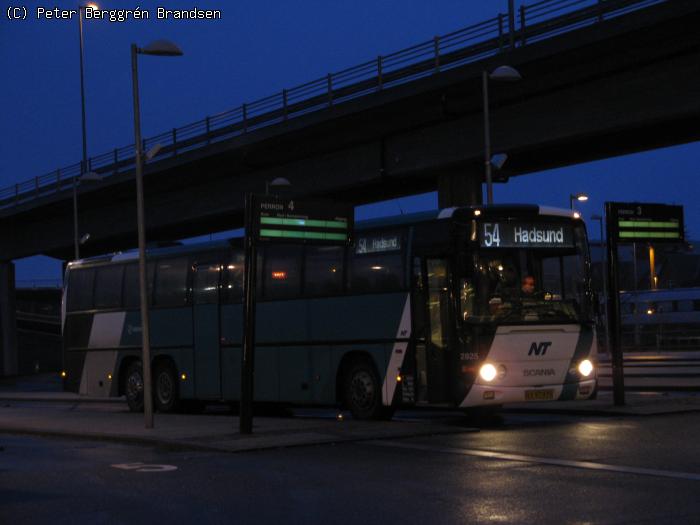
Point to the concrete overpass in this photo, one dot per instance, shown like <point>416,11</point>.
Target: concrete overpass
<point>612,78</point>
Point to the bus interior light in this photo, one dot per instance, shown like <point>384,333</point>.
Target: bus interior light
<point>585,367</point>
<point>183,376</point>
<point>488,372</point>
<point>63,374</point>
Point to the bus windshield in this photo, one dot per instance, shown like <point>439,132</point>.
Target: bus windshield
<point>527,285</point>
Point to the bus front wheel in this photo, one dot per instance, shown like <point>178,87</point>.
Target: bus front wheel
<point>363,392</point>
<point>133,386</point>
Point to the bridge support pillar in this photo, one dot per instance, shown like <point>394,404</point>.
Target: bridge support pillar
<point>8,321</point>
<point>459,189</point>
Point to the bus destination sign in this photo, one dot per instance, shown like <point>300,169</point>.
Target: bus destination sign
<point>643,222</point>
<point>307,221</point>
<point>506,234</point>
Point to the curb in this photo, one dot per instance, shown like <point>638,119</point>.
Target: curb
<point>599,412</point>
<point>54,399</point>
<point>177,445</point>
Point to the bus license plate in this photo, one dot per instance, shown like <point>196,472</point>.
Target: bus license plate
<point>539,395</point>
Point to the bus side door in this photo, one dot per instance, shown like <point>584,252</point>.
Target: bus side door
<point>433,298</point>
<point>206,319</point>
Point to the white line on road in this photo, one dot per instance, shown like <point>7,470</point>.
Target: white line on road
<point>143,467</point>
<point>589,465</point>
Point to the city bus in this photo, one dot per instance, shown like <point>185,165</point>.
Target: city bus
<point>460,307</point>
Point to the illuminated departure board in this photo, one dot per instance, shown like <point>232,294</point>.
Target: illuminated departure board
<point>305,221</point>
<point>643,222</point>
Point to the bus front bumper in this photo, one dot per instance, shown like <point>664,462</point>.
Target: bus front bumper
<point>480,395</point>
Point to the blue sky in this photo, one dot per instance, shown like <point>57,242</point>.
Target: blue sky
<point>256,49</point>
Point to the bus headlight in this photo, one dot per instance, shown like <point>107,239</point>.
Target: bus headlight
<point>585,368</point>
<point>488,372</point>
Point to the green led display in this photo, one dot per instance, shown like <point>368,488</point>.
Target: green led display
<point>309,223</point>
<point>303,235</point>
<point>650,222</point>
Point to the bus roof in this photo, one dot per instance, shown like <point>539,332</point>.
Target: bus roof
<point>462,212</point>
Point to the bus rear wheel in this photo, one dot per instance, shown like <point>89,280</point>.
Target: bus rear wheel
<point>166,388</point>
<point>363,392</point>
<point>133,386</point>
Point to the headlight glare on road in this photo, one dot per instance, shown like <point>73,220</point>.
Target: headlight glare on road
<point>585,368</point>
<point>488,372</point>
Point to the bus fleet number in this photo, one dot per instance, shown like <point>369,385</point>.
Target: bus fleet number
<point>492,236</point>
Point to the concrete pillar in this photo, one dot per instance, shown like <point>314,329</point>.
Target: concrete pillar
<point>8,321</point>
<point>459,189</point>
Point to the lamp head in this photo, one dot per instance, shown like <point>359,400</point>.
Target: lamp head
<point>279,182</point>
<point>505,74</point>
<point>498,160</point>
<point>163,48</point>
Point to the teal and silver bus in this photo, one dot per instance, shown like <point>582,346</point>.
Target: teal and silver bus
<point>461,307</point>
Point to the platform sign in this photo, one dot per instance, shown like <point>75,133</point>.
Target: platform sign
<point>643,222</point>
<point>270,218</point>
<point>631,222</point>
<point>278,219</point>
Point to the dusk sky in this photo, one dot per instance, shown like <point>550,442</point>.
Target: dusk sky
<point>255,50</point>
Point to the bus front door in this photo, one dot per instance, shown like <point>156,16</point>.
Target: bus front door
<point>432,297</point>
<point>206,319</point>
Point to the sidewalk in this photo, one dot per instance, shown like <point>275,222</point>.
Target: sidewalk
<point>201,432</point>
<point>65,414</point>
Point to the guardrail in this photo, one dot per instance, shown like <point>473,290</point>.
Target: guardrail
<point>518,28</point>
<point>38,283</point>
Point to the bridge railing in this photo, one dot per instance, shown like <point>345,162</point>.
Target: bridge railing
<point>531,23</point>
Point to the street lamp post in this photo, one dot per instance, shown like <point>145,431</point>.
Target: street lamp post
<point>599,218</point>
<point>157,48</point>
<point>500,74</point>
<point>83,162</point>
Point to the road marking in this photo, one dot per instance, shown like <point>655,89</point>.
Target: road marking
<point>588,465</point>
<point>143,467</point>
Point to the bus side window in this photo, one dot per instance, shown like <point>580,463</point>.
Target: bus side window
<point>205,283</point>
<point>282,272</point>
<point>131,284</point>
<point>376,272</point>
<point>232,282</point>
<point>171,282</point>
<point>323,270</point>
<point>108,286</point>
<point>80,288</point>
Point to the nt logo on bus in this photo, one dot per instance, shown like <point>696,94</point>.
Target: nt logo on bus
<point>539,349</point>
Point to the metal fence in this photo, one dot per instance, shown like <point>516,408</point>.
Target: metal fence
<point>517,28</point>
